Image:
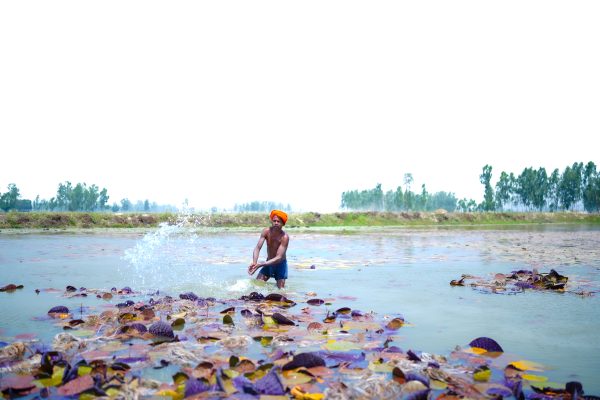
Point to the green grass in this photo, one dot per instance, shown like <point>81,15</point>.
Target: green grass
<point>83,220</point>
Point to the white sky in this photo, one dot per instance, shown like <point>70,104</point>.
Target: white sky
<point>226,102</point>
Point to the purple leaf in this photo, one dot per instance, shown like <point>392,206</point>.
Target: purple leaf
<point>420,395</point>
<point>59,309</point>
<point>307,360</point>
<point>194,386</point>
<point>188,296</point>
<point>270,384</point>
<point>487,344</point>
<point>161,329</point>
<point>412,356</point>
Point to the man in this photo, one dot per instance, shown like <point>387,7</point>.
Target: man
<point>277,244</point>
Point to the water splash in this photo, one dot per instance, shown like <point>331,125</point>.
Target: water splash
<point>183,256</point>
<point>168,258</point>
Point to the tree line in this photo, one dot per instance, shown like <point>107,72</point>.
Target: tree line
<point>401,199</point>
<point>79,197</point>
<point>261,206</point>
<point>576,188</point>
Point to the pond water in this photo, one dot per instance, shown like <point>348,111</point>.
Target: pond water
<point>388,271</point>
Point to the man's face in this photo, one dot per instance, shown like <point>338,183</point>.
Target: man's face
<point>277,222</point>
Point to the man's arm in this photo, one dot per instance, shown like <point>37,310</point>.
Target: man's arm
<point>254,266</point>
<point>281,250</point>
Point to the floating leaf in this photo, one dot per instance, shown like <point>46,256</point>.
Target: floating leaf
<point>76,386</point>
<point>189,296</point>
<point>341,345</point>
<point>306,360</point>
<point>10,288</point>
<point>482,374</point>
<point>246,313</point>
<point>534,378</point>
<point>398,376</point>
<point>270,384</point>
<point>316,302</point>
<point>75,322</point>
<point>330,318</point>
<point>229,310</point>
<point>412,356</point>
<point>525,365</point>
<point>378,366</point>
<point>343,310</point>
<point>126,317</point>
<point>314,326</point>
<point>227,320</point>
<point>161,329</point>
<point>282,319</point>
<point>58,310</point>
<point>487,344</point>
<point>245,366</point>
<point>55,379</point>
<point>300,394</point>
<point>178,324</point>
<point>395,324</point>
<point>296,377</point>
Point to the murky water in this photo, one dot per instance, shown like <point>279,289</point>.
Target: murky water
<point>386,271</point>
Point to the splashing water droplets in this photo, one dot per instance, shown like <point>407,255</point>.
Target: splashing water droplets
<point>169,257</point>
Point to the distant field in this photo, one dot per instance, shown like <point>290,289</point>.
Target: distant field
<point>76,220</point>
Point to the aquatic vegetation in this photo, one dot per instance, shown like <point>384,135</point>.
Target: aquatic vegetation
<point>518,281</point>
<point>11,287</point>
<point>257,346</point>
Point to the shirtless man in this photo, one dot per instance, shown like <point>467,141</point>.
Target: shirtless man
<point>277,244</point>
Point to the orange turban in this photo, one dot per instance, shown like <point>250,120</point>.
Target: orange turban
<point>280,214</point>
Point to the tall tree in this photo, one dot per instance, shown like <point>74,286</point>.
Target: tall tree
<point>488,194</point>
<point>504,190</point>
<point>569,187</point>
<point>591,190</point>
<point>553,182</point>
<point>540,189</point>
<point>8,200</point>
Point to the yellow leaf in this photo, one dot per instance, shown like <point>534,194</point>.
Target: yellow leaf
<point>111,392</point>
<point>170,393</point>
<point>54,380</point>
<point>395,324</point>
<point>228,386</point>
<point>380,367</point>
<point>266,340</point>
<point>525,365</point>
<point>478,350</point>
<point>178,315</point>
<point>299,394</point>
<point>293,378</point>
<point>340,345</point>
<point>437,385</point>
<point>83,370</point>
<point>230,373</point>
<point>534,378</point>
<point>482,374</point>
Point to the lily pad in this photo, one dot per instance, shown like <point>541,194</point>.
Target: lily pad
<point>486,344</point>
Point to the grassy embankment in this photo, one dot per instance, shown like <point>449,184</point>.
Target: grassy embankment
<point>77,220</point>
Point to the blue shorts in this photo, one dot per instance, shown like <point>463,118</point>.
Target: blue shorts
<point>277,271</point>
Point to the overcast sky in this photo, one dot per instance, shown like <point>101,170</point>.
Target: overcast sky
<point>225,102</point>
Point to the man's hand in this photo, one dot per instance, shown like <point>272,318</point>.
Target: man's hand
<point>252,268</point>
